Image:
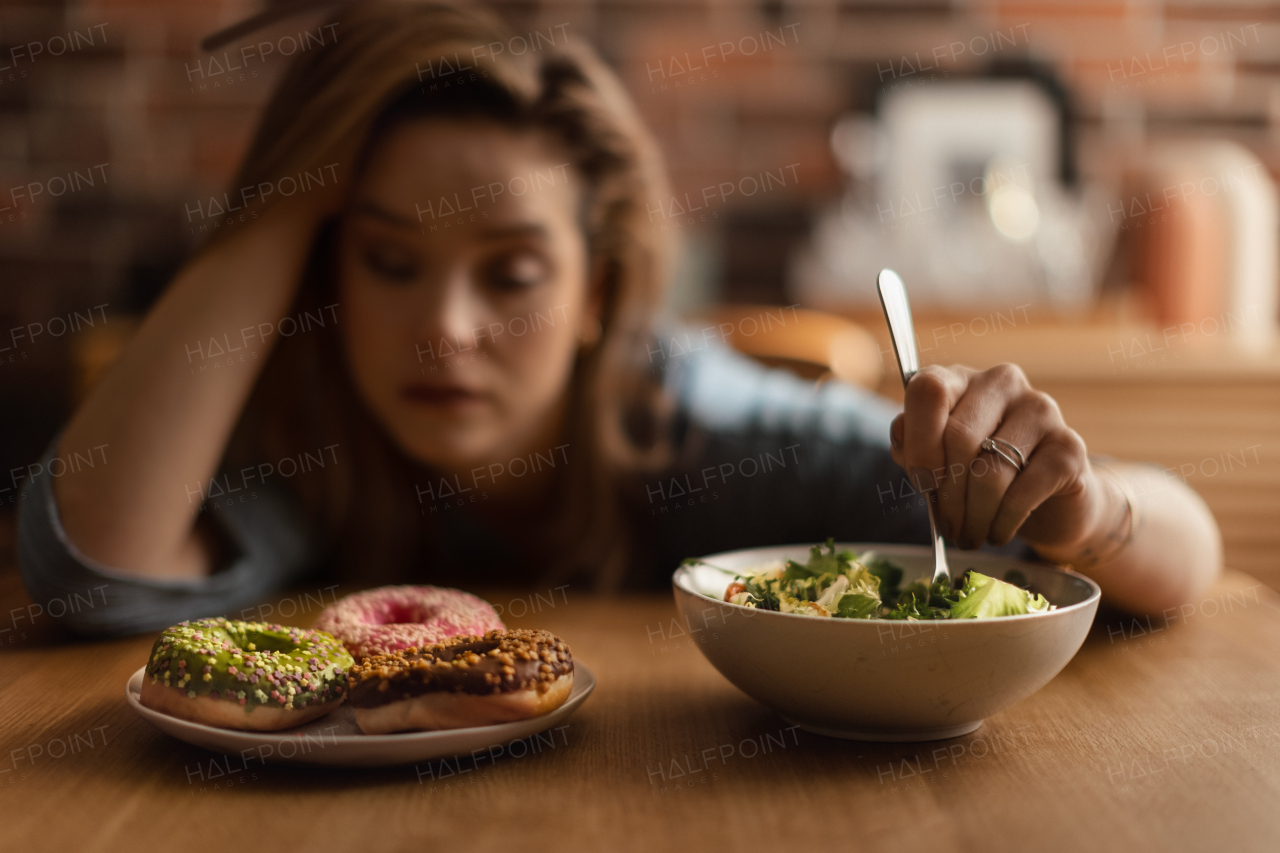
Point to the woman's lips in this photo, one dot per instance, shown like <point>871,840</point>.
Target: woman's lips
<point>442,396</point>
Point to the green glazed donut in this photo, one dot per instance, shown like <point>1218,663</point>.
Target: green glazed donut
<point>250,675</point>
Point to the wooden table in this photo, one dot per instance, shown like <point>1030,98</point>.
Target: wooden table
<point>1155,737</point>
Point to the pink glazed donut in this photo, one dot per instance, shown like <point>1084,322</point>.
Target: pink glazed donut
<point>391,618</point>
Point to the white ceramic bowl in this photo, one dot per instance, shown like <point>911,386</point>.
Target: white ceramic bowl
<point>879,679</point>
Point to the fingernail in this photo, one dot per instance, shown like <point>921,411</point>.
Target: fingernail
<point>893,441</point>
<point>923,480</point>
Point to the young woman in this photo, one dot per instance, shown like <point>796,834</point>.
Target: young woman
<point>424,348</point>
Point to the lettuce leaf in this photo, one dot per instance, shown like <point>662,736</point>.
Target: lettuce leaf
<point>857,605</point>
<point>983,597</point>
<point>819,563</point>
<point>889,574</point>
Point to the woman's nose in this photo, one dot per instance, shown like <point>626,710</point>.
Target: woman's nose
<point>452,310</point>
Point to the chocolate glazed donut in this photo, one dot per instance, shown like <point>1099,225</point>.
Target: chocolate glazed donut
<point>462,682</point>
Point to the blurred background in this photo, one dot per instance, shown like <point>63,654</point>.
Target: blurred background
<point>1086,189</point>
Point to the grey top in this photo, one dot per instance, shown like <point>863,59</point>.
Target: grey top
<point>766,459</point>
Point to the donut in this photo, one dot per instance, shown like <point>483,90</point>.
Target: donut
<point>245,675</point>
<point>461,682</point>
<point>392,618</point>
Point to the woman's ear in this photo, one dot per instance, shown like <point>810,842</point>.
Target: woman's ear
<point>591,328</point>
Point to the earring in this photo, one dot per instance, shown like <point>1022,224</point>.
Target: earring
<point>591,332</point>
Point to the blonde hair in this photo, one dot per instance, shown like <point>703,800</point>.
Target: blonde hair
<point>329,107</point>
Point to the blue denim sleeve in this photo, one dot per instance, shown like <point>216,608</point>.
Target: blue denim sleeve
<point>266,532</point>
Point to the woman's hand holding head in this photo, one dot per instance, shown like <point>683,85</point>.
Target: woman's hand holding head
<point>463,277</point>
<point>484,255</point>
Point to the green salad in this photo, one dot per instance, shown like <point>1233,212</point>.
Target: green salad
<point>868,586</point>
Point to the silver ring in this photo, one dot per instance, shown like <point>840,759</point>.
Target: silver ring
<point>993,444</point>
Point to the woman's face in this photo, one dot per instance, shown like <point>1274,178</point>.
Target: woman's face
<point>463,290</point>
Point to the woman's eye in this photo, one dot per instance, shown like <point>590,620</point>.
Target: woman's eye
<point>516,271</point>
<point>390,264</point>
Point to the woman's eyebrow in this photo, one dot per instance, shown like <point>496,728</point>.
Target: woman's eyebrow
<point>377,211</point>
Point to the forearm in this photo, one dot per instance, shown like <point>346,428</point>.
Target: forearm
<point>164,427</point>
<point>1174,553</point>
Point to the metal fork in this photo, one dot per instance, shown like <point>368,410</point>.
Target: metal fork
<point>897,313</point>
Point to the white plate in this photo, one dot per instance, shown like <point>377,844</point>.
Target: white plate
<point>336,741</point>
